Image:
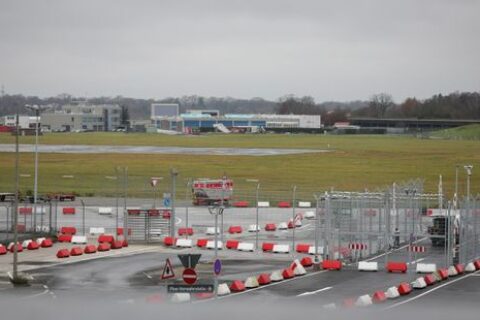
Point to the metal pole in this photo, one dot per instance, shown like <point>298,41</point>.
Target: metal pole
<point>455,197</point>
<point>327,226</point>
<point>174,174</point>
<point>317,222</point>
<point>117,191</point>
<point>15,208</point>
<point>83,216</point>
<point>186,205</point>
<point>35,184</point>
<point>222,202</point>
<point>293,219</point>
<point>125,213</point>
<point>257,227</point>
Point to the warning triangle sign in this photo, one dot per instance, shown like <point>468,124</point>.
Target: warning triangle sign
<point>168,270</point>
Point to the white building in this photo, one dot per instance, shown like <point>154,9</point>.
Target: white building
<point>24,122</point>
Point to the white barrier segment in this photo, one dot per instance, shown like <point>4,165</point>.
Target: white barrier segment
<point>282,226</point>
<point>10,245</point>
<point>419,283</point>
<point>104,210</point>
<point>304,204</point>
<point>330,306</point>
<point>40,210</point>
<point>253,228</point>
<point>211,231</point>
<point>281,248</point>
<point>40,240</point>
<point>452,271</point>
<point>311,250</point>
<point>263,204</point>
<point>96,230</point>
<point>223,289</point>
<point>211,244</point>
<point>251,282</point>
<point>470,267</point>
<point>426,267</point>
<point>246,246</point>
<point>298,223</point>
<point>367,266</point>
<point>392,293</point>
<point>309,215</point>
<point>184,243</point>
<point>79,240</point>
<point>276,276</point>
<point>364,301</point>
<point>25,243</point>
<point>299,269</point>
<point>180,297</point>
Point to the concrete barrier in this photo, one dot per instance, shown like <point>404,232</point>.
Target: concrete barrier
<point>47,243</point>
<point>237,286</point>
<point>442,274</point>
<point>251,282</point>
<point>288,273</point>
<point>470,267</point>
<point>332,265</point>
<point>364,301</point>
<point>379,297</point>
<point>298,268</point>
<point>309,215</point>
<point>451,271</point>
<point>263,204</point>
<point>3,250</point>
<point>426,267</point>
<point>223,289</point>
<point>311,250</point>
<point>11,247</point>
<point>419,283</point>
<point>211,244</point>
<point>94,231</point>
<point>232,244</point>
<point>235,229</point>
<point>304,204</point>
<point>302,248</point>
<point>68,230</point>
<point>105,210</point>
<point>281,248</point>
<point>270,227</point>
<point>26,243</point>
<point>430,279</point>
<point>460,268</point>
<point>211,231</point>
<point>108,238</point>
<point>79,240</point>
<point>202,243</point>
<point>117,244</point>
<point>276,276</point>
<point>306,262</point>
<point>253,228</point>
<point>404,288</point>
<point>184,243</point>
<point>367,266</point>
<point>76,251</point>
<point>104,246</point>
<point>394,266</point>
<point>267,246</point>
<point>246,246</point>
<point>264,279</point>
<point>39,240</point>
<point>185,231</point>
<point>282,226</point>
<point>180,297</point>
<point>89,249</point>
<point>33,245</point>
<point>392,293</point>
<point>63,253</point>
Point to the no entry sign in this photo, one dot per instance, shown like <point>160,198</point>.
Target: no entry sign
<point>189,276</point>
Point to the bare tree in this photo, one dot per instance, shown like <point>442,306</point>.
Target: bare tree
<point>380,103</point>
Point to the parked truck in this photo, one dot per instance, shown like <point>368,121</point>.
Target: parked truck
<point>207,192</point>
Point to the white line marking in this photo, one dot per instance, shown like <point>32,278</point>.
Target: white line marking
<point>147,275</point>
<point>418,260</point>
<point>308,293</point>
<point>394,250</point>
<point>432,290</point>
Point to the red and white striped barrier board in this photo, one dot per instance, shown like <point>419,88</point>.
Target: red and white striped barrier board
<point>416,249</point>
<point>357,246</point>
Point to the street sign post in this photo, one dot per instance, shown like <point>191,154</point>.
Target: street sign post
<point>189,260</point>
<point>167,199</point>
<point>168,270</point>
<point>189,276</point>
<point>217,267</point>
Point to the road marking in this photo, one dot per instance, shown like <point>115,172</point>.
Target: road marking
<point>308,293</point>
<point>394,250</point>
<point>418,260</point>
<point>432,290</point>
<point>147,275</point>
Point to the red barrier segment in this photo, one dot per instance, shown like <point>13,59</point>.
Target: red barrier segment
<point>25,210</point>
<point>394,266</point>
<point>153,212</point>
<point>284,204</point>
<point>264,279</point>
<point>90,248</point>
<point>232,244</point>
<point>429,279</point>
<point>443,274</point>
<point>125,243</point>
<point>270,227</point>
<point>118,244</point>
<point>19,248</point>
<point>306,262</point>
<point>120,231</point>
<point>460,268</point>
<point>68,210</point>
<point>235,229</point>
<point>303,247</point>
<point>76,251</point>
<point>63,253</point>
<point>104,246</point>
<point>33,245</point>
<point>291,224</point>
<point>3,250</point>
<point>348,303</point>
<point>241,204</point>
<point>169,241</point>
<point>106,238</point>
<point>476,263</point>
<point>166,214</point>
<point>133,212</point>
<point>47,243</point>
<point>404,288</point>
<point>267,246</point>
<point>331,264</point>
<point>203,295</point>
<point>288,273</point>
<point>237,286</point>
<point>65,238</point>
<point>379,297</point>
<point>185,231</point>
<point>202,243</point>
<point>68,230</point>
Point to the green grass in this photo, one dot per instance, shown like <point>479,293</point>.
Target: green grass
<point>355,163</point>
<point>470,132</point>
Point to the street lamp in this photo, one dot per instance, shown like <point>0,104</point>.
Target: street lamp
<point>294,225</point>
<point>173,174</point>
<point>469,169</point>
<point>257,227</point>
<point>216,211</point>
<point>37,109</point>
<point>317,225</point>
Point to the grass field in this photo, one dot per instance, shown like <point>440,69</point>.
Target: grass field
<point>471,132</point>
<point>355,163</point>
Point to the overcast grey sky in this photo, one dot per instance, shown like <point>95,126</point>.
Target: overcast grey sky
<point>331,50</point>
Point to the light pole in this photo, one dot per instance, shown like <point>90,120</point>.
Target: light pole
<point>83,216</point>
<point>125,213</point>
<point>455,197</point>
<point>257,227</point>
<point>15,277</point>
<point>37,109</point>
<point>294,225</point>
<point>173,174</point>
<point>218,210</point>
<point>469,169</point>
<point>187,192</point>
<point>317,225</point>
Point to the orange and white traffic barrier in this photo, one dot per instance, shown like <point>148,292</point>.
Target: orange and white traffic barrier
<point>363,301</point>
<point>184,243</point>
<point>379,297</point>
<point>404,288</point>
<point>426,267</point>
<point>419,283</point>
<point>470,267</point>
<point>281,248</point>
<point>392,293</point>
<point>246,246</point>
<point>368,266</point>
<point>276,276</point>
<point>223,289</point>
<point>251,282</point>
